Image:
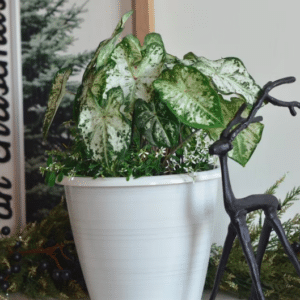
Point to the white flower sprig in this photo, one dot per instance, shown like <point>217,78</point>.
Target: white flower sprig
<point>143,154</point>
<point>71,173</point>
<point>161,152</point>
<point>54,167</point>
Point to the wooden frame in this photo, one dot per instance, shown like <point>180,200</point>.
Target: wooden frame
<point>143,18</point>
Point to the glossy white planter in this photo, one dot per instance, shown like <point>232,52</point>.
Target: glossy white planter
<point>144,239</point>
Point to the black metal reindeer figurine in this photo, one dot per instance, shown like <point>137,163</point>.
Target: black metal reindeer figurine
<point>237,209</point>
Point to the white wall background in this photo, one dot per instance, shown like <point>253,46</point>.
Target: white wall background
<point>264,34</point>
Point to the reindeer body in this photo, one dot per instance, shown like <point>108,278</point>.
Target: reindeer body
<point>237,209</point>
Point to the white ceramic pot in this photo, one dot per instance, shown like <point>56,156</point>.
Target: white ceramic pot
<point>143,239</point>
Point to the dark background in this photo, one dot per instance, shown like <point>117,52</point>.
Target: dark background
<point>47,32</point>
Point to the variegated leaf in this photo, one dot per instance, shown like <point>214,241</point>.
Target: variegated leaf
<point>121,23</point>
<point>190,59</point>
<point>188,94</point>
<point>148,70</point>
<point>93,61</point>
<point>76,103</point>
<point>57,92</point>
<point>81,94</point>
<point>107,49</point>
<point>229,75</point>
<point>133,52</point>
<point>151,38</point>
<point>155,121</point>
<point>98,83</point>
<point>104,130</point>
<point>229,109</point>
<point>135,81</point>
<point>170,61</point>
<point>100,59</point>
<point>246,141</point>
<point>120,74</point>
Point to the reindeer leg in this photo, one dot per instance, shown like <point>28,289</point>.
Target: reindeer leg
<point>225,254</point>
<point>244,237</point>
<point>274,220</point>
<point>263,242</point>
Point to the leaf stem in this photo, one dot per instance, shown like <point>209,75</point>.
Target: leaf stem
<point>180,141</point>
<point>71,93</point>
<point>179,146</point>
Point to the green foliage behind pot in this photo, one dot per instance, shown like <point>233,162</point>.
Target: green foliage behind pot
<point>140,111</point>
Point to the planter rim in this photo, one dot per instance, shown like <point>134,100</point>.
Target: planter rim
<point>141,181</point>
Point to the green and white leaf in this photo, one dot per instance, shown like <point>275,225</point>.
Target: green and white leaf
<point>57,92</point>
<point>104,130</point>
<point>170,61</point>
<point>155,121</point>
<point>188,94</point>
<point>121,23</point>
<point>81,94</point>
<point>229,75</point>
<point>190,59</point>
<point>76,103</point>
<point>107,49</point>
<point>98,82</point>
<point>133,52</point>
<point>246,141</point>
<point>135,80</point>
<point>151,38</point>
<point>148,70</point>
<point>100,59</point>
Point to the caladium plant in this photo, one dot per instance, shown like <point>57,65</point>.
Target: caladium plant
<point>142,111</point>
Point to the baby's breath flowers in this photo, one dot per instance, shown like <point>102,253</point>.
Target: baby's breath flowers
<point>141,160</point>
<point>160,152</point>
<point>72,173</point>
<point>143,154</point>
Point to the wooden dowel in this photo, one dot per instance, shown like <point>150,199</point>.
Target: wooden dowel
<point>143,18</point>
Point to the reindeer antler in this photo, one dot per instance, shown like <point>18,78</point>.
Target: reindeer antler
<point>238,119</point>
<point>277,102</point>
<point>244,123</point>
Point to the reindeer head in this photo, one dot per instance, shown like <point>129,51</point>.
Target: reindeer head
<point>224,144</point>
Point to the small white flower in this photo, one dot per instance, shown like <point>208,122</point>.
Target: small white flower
<point>189,157</point>
<point>160,152</point>
<point>188,169</point>
<point>57,167</point>
<point>173,163</point>
<point>214,161</point>
<point>143,154</point>
<point>72,173</point>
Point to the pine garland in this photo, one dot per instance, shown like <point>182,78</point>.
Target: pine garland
<point>278,276</point>
<point>31,280</point>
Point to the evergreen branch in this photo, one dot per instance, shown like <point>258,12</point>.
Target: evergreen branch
<point>75,12</point>
<point>290,197</point>
<point>277,273</point>
<point>52,10</point>
<point>274,187</point>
